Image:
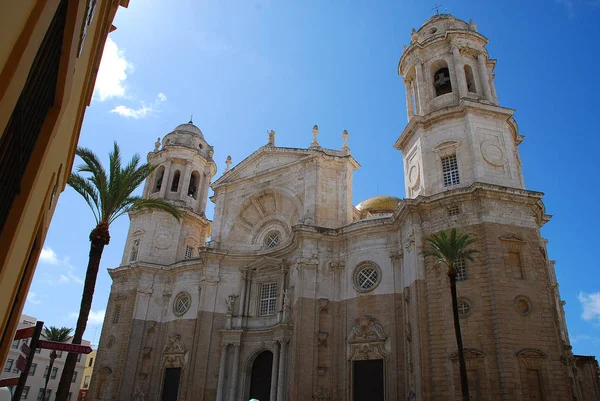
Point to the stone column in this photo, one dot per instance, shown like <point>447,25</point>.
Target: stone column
<point>421,89</point>
<point>165,180</point>
<point>204,194</point>
<point>459,71</point>
<point>235,372</point>
<point>409,101</point>
<point>274,372</point>
<point>484,77</point>
<point>222,365</point>
<point>281,373</point>
<point>186,181</point>
<point>281,295</point>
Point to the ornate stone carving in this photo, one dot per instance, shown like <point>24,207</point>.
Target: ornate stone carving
<point>337,266</point>
<point>493,153</point>
<point>163,240</point>
<point>323,305</point>
<point>322,338</point>
<point>322,370</point>
<point>271,138</point>
<point>139,396</point>
<point>310,262</point>
<point>396,255</point>
<point>230,302</point>
<point>367,340</point>
<point>174,344</point>
<point>409,242</point>
<point>174,355</point>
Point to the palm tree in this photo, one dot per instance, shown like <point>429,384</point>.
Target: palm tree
<point>109,195</point>
<point>449,250</point>
<point>59,335</point>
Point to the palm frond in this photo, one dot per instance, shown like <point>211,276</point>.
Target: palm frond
<point>137,203</point>
<point>88,191</point>
<point>448,249</point>
<point>53,333</point>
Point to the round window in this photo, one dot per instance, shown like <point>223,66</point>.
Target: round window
<point>182,303</point>
<point>366,277</point>
<point>464,307</point>
<point>272,240</point>
<point>523,306</point>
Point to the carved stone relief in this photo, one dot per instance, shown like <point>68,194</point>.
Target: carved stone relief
<point>366,340</point>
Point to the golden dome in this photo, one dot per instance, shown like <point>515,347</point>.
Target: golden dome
<point>379,204</point>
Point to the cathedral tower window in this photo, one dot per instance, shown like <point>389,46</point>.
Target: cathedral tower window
<point>470,79</point>
<point>159,178</point>
<point>441,79</point>
<point>116,314</point>
<point>134,250</point>
<point>461,269</point>
<point>193,187</point>
<point>464,307</point>
<point>175,182</point>
<point>272,240</point>
<point>182,303</point>
<point>189,252</point>
<point>268,299</point>
<point>450,170</point>
<point>367,277</point>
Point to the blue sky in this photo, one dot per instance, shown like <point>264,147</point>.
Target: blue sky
<point>245,67</point>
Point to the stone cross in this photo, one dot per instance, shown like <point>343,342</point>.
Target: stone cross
<point>271,137</point>
<point>228,162</point>
<point>315,132</point>
<point>345,137</point>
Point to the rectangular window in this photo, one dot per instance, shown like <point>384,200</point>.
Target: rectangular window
<point>15,369</point>
<point>69,397</point>
<point>9,364</point>
<point>32,369</point>
<point>46,371</point>
<point>450,170</point>
<point>268,297</point>
<point>59,354</point>
<point>74,376</point>
<point>25,393</point>
<point>15,344</point>
<point>86,382</point>
<point>54,373</point>
<point>461,269</point>
<point>91,362</point>
<point>78,357</point>
<point>514,262</point>
<point>41,397</point>
<point>188,252</point>
<point>38,350</point>
<point>134,250</point>
<point>116,315</point>
<point>453,211</point>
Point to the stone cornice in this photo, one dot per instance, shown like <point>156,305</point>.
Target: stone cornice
<point>454,111</point>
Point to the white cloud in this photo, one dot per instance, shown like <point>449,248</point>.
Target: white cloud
<point>112,73</point>
<point>591,305</point>
<point>143,111</point>
<point>95,317</point>
<point>63,279</point>
<point>33,298</point>
<point>48,256</point>
<point>570,6</point>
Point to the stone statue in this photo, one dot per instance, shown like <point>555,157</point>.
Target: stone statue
<point>211,152</point>
<point>315,142</point>
<point>271,137</point>
<point>228,163</point>
<point>286,299</point>
<point>230,301</point>
<point>157,145</point>
<point>345,137</point>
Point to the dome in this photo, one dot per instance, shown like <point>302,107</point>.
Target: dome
<point>379,204</point>
<point>189,127</point>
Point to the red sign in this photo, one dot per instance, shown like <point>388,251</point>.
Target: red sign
<point>24,333</point>
<point>25,349</point>
<point>11,381</point>
<point>75,348</point>
<point>21,363</point>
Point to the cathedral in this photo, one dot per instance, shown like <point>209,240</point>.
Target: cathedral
<point>295,293</point>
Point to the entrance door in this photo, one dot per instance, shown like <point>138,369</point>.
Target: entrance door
<point>171,384</point>
<point>260,380</point>
<point>368,380</point>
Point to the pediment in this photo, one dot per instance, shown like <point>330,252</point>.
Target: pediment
<point>265,262</point>
<point>264,160</point>
<point>512,238</point>
<point>531,353</point>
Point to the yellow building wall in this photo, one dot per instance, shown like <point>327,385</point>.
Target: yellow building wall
<point>23,25</point>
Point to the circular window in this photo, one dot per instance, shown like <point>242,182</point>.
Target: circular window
<point>201,147</point>
<point>272,240</point>
<point>464,307</point>
<point>523,306</point>
<point>182,303</point>
<point>433,30</point>
<point>367,277</point>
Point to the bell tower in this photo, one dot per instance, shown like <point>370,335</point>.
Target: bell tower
<point>457,133</point>
<point>185,170</point>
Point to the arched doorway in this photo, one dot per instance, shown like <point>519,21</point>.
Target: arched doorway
<point>260,378</point>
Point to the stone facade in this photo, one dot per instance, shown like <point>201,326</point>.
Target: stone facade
<point>298,295</point>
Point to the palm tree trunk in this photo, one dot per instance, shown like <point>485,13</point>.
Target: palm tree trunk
<point>464,384</point>
<point>99,238</point>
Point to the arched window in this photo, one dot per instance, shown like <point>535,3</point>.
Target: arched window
<point>470,79</point>
<point>193,187</point>
<point>159,178</point>
<point>175,182</point>
<point>441,79</point>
